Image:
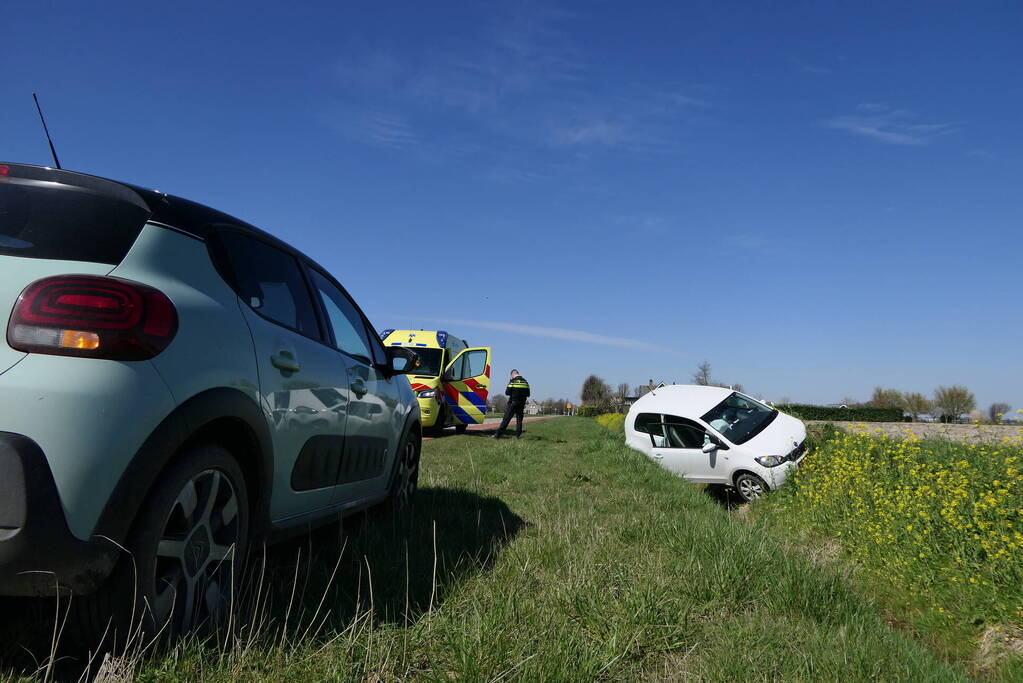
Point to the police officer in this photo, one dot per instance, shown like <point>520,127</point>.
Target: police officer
<point>517,392</point>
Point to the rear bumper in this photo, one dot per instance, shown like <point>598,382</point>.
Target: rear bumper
<point>38,553</point>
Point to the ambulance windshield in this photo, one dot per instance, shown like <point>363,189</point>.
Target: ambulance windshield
<point>429,361</point>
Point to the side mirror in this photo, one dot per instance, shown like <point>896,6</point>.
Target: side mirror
<point>402,360</point>
<point>709,447</point>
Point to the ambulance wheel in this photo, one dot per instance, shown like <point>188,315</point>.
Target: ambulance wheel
<point>460,429</point>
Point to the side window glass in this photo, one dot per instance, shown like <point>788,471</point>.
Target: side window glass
<point>455,371</point>
<point>475,363</point>
<point>684,436</point>
<point>344,319</point>
<point>376,347</point>
<point>270,282</point>
<point>648,423</point>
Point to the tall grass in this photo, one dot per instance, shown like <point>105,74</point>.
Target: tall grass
<point>561,557</point>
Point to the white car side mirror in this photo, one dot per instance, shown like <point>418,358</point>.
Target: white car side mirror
<point>709,447</point>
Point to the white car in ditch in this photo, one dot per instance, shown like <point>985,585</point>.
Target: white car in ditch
<point>713,435</point>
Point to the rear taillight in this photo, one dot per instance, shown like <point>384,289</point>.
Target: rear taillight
<point>94,317</point>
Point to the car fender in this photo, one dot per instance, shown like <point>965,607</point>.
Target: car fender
<point>186,424</point>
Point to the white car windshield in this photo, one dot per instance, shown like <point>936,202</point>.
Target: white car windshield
<point>739,418</point>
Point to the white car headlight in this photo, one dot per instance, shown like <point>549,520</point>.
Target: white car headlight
<point>428,393</point>
<point>771,460</point>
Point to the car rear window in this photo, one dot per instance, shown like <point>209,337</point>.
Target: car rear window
<point>48,220</point>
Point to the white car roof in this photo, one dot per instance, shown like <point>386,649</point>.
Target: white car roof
<point>685,400</point>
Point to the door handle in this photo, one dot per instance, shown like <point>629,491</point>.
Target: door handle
<point>285,360</point>
<point>658,457</point>
<point>359,387</point>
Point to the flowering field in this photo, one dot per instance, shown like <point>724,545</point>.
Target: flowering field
<point>939,520</point>
<point>613,421</point>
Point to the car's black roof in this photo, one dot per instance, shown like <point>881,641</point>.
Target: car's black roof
<point>181,214</point>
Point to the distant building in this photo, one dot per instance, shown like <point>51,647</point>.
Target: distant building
<point>646,389</point>
<point>642,389</point>
<point>532,408</point>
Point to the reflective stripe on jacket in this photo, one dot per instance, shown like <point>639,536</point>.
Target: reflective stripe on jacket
<point>518,389</point>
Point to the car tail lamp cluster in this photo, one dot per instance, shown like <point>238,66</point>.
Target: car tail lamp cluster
<point>92,316</point>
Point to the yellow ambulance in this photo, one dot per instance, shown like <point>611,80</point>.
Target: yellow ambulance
<point>452,381</point>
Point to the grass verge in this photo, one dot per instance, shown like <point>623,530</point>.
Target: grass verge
<point>563,556</point>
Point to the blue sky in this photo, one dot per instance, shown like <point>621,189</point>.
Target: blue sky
<point>816,197</point>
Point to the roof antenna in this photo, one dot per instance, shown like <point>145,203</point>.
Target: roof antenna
<point>56,161</point>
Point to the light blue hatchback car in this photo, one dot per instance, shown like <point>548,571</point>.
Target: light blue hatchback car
<point>179,384</point>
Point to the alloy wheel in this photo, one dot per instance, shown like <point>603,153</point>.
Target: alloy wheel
<point>750,487</point>
<point>408,474</point>
<point>195,554</point>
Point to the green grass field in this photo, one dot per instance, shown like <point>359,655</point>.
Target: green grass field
<point>560,557</point>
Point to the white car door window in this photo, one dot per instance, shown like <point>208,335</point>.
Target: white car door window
<point>650,423</point>
<point>683,449</point>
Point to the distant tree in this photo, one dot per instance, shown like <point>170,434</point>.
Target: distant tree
<point>737,387</point>
<point>886,398</point>
<point>916,403</point>
<point>596,392</point>
<point>849,401</point>
<point>499,403</point>
<point>996,411</point>
<point>954,401</point>
<point>784,401</point>
<point>619,396</point>
<point>702,374</point>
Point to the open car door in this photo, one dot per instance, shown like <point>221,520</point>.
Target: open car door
<point>467,385</point>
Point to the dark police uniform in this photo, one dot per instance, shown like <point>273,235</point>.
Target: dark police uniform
<point>517,392</point>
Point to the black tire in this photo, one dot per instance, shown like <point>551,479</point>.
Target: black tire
<point>405,480</point>
<point>750,486</point>
<point>461,429</point>
<point>185,552</point>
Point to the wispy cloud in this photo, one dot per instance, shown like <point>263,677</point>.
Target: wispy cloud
<point>814,69</point>
<point>599,132</point>
<point>892,126</point>
<point>641,119</point>
<point>746,241</point>
<point>521,94</point>
<point>372,126</point>
<point>514,174</point>
<point>560,333</point>
<point>980,153</point>
<point>389,130</point>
